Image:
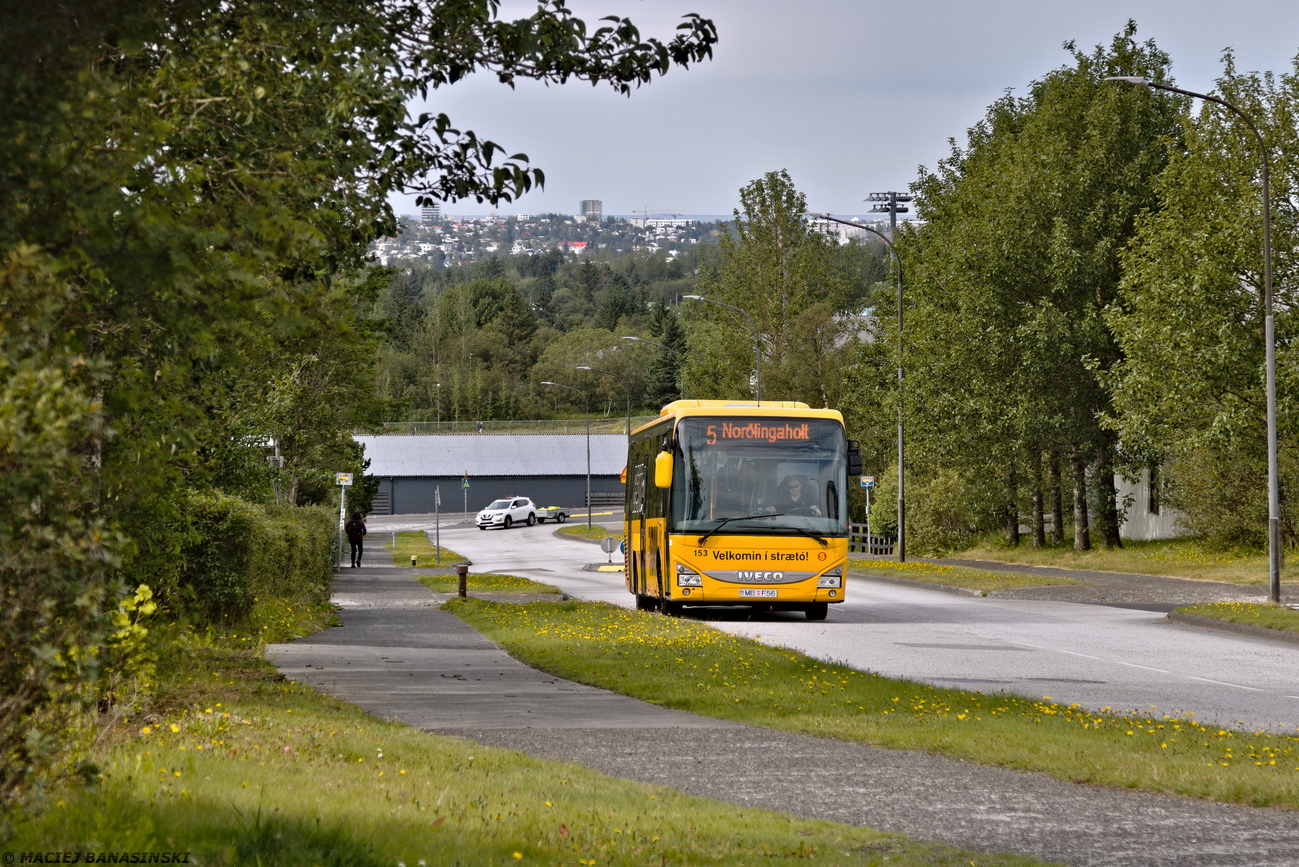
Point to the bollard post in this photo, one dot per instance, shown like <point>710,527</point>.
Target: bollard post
<point>412,560</point>
<point>462,576</point>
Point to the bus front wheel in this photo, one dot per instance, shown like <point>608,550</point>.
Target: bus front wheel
<point>817,610</point>
<point>671,607</point>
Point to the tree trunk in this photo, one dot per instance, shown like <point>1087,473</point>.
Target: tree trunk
<point>1039,527</point>
<point>1107,518</point>
<point>1081,535</point>
<point>1011,507</point>
<point>1057,500</point>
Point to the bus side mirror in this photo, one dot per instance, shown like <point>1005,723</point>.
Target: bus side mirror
<point>663,470</point>
<point>854,458</point>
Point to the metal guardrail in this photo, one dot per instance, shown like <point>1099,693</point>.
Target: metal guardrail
<point>610,425</point>
<point>862,543</point>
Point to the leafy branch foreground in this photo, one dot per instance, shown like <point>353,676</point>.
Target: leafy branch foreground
<point>689,666</point>
<point>247,768</point>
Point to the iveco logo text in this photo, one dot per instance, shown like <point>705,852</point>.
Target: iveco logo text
<point>759,577</point>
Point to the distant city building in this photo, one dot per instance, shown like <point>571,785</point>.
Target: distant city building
<point>865,232</point>
<point>592,210</point>
<point>455,239</point>
<point>431,213</point>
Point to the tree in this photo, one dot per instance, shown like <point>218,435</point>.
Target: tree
<point>784,275</point>
<point>1191,301</point>
<point>183,188</point>
<point>664,379</point>
<point>598,348</point>
<point>1010,277</point>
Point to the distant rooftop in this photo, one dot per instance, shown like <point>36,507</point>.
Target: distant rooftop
<point>451,455</point>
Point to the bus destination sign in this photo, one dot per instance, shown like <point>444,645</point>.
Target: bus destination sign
<point>756,430</point>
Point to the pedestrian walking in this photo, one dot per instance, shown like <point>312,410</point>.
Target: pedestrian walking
<point>355,530</point>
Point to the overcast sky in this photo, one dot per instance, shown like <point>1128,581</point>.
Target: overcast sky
<point>849,95</point>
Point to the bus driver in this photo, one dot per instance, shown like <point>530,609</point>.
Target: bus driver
<point>794,495</point>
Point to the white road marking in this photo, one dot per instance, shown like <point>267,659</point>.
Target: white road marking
<point>1145,667</point>
<point>1083,655</point>
<point>1224,683</point>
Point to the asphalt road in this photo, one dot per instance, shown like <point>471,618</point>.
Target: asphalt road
<point>1095,655</point>
<point>401,658</point>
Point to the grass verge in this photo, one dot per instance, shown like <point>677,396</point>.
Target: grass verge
<point>595,532</point>
<point>485,583</point>
<point>239,766</point>
<point>1252,613</point>
<point>1182,558</point>
<point>688,665</point>
<point>414,543</point>
<point>954,576</point>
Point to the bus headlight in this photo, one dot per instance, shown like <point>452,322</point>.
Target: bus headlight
<point>686,578</point>
<point>831,578</point>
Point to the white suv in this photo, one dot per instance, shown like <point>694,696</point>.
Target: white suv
<point>506,512</point>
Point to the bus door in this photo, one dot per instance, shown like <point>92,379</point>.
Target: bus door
<point>640,583</point>
<point>655,555</point>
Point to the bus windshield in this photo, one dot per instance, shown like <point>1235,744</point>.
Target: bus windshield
<point>776,475</point>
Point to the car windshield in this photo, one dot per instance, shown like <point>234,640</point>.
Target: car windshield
<point>730,468</point>
<point>498,504</point>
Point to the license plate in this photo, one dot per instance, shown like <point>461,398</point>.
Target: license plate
<point>759,592</point>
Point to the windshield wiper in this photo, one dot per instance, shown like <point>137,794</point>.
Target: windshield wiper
<point>807,532</point>
<point>722,522</point>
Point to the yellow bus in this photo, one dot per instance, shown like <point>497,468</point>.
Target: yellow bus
<point>739,503</point>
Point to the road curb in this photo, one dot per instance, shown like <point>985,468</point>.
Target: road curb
<point>1238,628</point>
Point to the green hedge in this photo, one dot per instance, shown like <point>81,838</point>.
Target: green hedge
<point>238,552</point>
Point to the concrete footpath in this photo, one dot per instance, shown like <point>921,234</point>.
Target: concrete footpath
<point>399,657</point>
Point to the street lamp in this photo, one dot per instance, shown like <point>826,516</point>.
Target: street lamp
<point>587,402</point>
<point>674,353</point>
<point>757,337</point>
<point>1269,338</point>
<point>439,385</point>
<point>626,385</point>
<point>902,510</point>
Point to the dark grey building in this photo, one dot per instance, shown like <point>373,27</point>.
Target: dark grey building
<point>549,468</point>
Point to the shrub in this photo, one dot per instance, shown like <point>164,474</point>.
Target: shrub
<point>58,559</point>
<point>945,512</point>
<point>1223,493</point>
<point>238,552</point>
